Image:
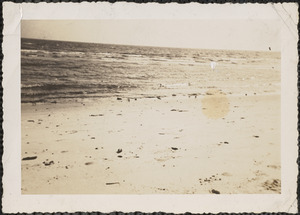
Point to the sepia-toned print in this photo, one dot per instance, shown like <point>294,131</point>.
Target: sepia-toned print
<point>150,107</point>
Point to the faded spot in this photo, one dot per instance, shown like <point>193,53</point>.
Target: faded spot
<point>215,104</point>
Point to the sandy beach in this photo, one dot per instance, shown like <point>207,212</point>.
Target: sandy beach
<point>179,144</point>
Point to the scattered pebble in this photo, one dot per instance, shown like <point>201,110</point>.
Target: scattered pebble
<point>174,148</point>
<point>30,120</point>
<point>88,163</point>
<point>255,136</point>
<point>119,151</point>
<point>215,191</point>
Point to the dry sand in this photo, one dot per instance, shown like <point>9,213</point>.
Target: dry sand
<point>212,143</point>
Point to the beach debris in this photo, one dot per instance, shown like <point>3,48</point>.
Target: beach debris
<point>120,156</point>
<point>215,191</point>
<point>163,189</point>
<point>119,151</point>
<point>96,148</point>
<point>174,148</point>
<point>158,97</point>
<point>173,94</point>
<point>161,133</point>
<point>30,120</point>
<point>96,115</point>
<point>66,167</point>
<point>273,185</point>
<point>119,98</point>
<point>128,99</point>
<point>256,136</point>
<point>48,163</point>
<point>225,142</point>
<point>88,163</point>
<point>112,183</point>
<point>93,138</point>
<point>29,158</point>
<point>242,117</point>
<point>178,110</point>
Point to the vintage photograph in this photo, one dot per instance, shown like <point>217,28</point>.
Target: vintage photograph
<point>150,107</point>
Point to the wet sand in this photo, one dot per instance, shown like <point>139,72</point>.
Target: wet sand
<point>170,145</point>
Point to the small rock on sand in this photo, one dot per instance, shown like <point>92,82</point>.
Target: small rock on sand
<point>119,98</point>
<point>119,151</point>
<point>174,148</point>
<point>215,191</point>
<point>30,120</point>
<point>255,136</point>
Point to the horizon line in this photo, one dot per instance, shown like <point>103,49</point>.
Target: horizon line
<point>74,41</point>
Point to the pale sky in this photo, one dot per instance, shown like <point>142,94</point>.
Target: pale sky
<point>206,34</point>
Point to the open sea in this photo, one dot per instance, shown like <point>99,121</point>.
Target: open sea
<point>57,71</point>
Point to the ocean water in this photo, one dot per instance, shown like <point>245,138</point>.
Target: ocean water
<point>58,71</point>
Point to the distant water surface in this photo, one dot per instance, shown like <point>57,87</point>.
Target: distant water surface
<point>58,71</point>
